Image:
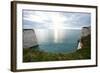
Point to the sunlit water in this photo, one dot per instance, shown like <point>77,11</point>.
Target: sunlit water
<point>63,41</point>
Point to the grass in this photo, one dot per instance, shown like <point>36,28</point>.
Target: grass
<point>35,55</point>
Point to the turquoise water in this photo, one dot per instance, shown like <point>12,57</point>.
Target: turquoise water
<point>58,41</point>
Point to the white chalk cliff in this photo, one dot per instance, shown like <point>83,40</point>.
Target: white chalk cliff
<point>29,38</point>
<point>84,32</point>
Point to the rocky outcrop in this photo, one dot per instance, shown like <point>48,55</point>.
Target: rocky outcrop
<point>85,39</point>
<point>29,38</point>
<point>85,31</point>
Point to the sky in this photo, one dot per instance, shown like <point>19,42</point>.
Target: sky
<point>55,20</point>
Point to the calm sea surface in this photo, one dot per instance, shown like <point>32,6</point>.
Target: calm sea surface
<point>58,41</point>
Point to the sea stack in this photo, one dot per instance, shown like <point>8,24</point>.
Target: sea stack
<point>29,38</point>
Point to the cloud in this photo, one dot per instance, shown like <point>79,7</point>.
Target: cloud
<point>78,19</point>
<point>49,20</point>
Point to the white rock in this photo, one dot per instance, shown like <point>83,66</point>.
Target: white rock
<point>29,38</point>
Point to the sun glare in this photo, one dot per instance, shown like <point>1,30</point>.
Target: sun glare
<point>57,24</point>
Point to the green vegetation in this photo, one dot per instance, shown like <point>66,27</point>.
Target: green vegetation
<point>35,55</point>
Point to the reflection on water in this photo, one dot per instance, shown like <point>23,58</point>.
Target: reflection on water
<point>64,40</point>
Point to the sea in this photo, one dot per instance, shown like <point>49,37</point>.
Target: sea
<point>58,40</point>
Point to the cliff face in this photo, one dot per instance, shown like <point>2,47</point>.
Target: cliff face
<point>85,40</point>
<point>85,31</point>
<point>29,38</point>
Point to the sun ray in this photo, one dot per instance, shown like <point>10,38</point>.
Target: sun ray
<point>56,19</point>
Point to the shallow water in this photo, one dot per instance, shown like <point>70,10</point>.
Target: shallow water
<point>58,41</point>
